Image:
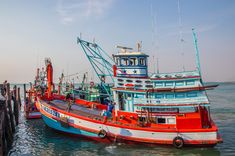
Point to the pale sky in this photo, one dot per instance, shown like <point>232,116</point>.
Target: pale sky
<point>32,30</point>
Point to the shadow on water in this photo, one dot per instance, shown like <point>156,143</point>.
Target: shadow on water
<point>35,138</point>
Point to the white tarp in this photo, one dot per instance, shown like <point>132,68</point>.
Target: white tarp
<point>2,98</point>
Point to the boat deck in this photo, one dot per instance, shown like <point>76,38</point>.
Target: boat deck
<point>77,109</point>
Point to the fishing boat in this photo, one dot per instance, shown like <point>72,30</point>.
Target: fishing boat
<point>30,109</point>
<point>162,108</point>
<point>30,97</point>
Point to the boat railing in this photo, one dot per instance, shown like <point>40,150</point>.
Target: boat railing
<point>195,100</point>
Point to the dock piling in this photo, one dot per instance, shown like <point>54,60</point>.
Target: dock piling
<point>10,103</point>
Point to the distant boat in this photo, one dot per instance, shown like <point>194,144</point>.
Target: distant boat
<point>30,109</point>
<point>30,97</point>
<point>164,108</point>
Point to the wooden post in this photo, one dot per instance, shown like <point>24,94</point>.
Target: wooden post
<point>8,131</point>
<point>2,138</point>
<point>24,93</point>
<point>1,89</point>
<point>16,104</point>
<point>7,120</point>
<point>19,98</point>
<point>9,97</point>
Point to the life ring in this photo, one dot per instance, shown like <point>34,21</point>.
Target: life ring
<point>102,134</point>
<point>178,142</point>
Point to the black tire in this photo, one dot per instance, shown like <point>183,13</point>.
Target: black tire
<point>178,142</point>
<point>102,134</point>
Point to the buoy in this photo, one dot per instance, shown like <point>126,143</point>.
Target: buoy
<point>178,142</point>
<point>102,134</point>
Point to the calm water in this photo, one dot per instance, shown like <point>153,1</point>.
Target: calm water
<point>35,138</point>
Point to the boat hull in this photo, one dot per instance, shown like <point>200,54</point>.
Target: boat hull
<point>32,114</point>
<point>87,127</point>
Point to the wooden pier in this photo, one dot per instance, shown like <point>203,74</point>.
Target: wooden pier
<point>10,103</point>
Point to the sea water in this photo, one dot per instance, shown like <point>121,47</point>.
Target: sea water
<point>33,137</point>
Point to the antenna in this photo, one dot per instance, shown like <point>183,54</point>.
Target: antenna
<point>157,66</point>
<point>154,69</point>
<point>124,48</point>
<point>139,46</point>
<point>155,40</point>
<point>180,33</point>
<point>197,53</point>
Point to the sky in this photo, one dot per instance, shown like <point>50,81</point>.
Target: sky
<point>31,31</point>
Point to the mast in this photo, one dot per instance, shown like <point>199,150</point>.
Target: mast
<point>49,70</point>
<point>197,53</point>
<point>100,61</point>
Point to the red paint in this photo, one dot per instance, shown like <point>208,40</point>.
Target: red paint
<point>135,127</point>
<point>49,78</point>
<point>127,117</point>
<point>188,121</point>
<point>111,136</point>
<point>114,70</point>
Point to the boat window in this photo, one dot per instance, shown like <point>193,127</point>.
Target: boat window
<point>138,81</point>
<point>159,84</point>
<point>149,86</point>
<point>138,86</point>
<point>139,95</point>
<point>118,61</point>
<point>187,109</point>
<point>169,96</point>
<point>128,80</point>
<point>133,61</point>
<point>161,120</point>
<point>120,80</point>
<point>191,94</point>
<point>124,61</point>
<point>159,96</point>
<point>120,84</point>
<point>171,120</point>
<point>142,119</point>
<point>169,84</point>
<point>178,75</point>
<point>180,95</point>
<point>190,83</point>
<point>161,109</point>
<point>179,83</point>
<point>168,76</point>
<point>148,82</point>
<point>142,61</point>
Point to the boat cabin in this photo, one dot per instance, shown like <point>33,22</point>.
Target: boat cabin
<point>157,98</point>
<point>131,64</point>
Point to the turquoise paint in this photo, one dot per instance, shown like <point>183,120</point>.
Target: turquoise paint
<point>56,125</point>
<point>95,53</point>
